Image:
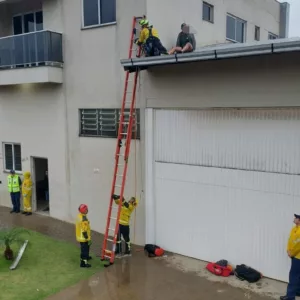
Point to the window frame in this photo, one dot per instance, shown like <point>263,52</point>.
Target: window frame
<point>244,29</point>
<point>22,15</point>
<point>83,27</point>
<point>212,8</point>
<point>116,117</point>
<point>270,34</point>
<point>13,157</point>
<point>257,30</point>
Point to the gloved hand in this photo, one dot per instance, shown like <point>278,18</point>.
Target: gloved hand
<point>90,242</point>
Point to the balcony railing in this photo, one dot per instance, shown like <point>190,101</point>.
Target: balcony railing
<point>41,48</point>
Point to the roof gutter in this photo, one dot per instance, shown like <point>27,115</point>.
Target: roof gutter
<point>231,51</point>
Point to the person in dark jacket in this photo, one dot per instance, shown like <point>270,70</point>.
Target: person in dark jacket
<point>185,41</point>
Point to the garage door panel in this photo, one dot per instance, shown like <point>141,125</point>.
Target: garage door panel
<point>202,212</point>
<point>265,140</point>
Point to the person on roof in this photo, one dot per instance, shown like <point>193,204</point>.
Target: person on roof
<point>83,235</point>
<point>124,228</point>
<point>26,193</point>
<point>149,40</point>
<point>185,41</point>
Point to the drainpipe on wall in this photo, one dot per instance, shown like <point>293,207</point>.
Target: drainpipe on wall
<point>284,20</point>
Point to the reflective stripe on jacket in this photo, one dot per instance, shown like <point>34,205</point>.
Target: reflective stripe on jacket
<point>293,245</point>
<point>13,183</point>
<point>82,226</point>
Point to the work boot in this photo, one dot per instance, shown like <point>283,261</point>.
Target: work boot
<point>89,258</point>
<point>84,264</point>
<point>28,214</point>
<point>12,211</point>
<point>127,252</point>
<point>24,212</point>
<point>286,298</point>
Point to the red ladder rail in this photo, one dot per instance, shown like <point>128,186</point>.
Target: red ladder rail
<point>127,120</point>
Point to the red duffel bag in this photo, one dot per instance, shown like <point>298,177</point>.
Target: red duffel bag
<point>219,270</point>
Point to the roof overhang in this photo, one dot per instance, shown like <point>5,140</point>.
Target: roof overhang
<point>215,53</point>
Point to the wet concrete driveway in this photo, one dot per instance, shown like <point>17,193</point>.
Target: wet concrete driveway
<point>133,278</point>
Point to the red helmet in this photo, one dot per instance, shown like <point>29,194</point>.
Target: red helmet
<point>83,208</point>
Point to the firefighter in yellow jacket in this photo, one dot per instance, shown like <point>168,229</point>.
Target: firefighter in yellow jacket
<point>293,251</point>
<point>83,235</point>
<point>124,228</point>
<point>26,193</point>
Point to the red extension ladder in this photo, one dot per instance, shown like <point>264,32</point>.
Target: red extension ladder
<point>127,121</point>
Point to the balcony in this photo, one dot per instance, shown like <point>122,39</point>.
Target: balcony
<point>31,58</point>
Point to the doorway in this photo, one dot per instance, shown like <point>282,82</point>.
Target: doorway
<point>41,184</point>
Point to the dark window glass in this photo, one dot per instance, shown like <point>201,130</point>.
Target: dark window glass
<point>9,165</point>
<point>207,12</point>
<point>29,23</point>
<point>17,157</point>
<point>108,11</point>
<point>257,33</point>
<point>239,31</point>
<point>17,23</point>
<point>39,21</point>
<point>91,12</point>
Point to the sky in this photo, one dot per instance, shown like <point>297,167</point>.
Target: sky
<point>294,17</point>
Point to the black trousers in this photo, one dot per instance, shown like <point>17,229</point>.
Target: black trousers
<point>124,231</point>
<point>85,251</point>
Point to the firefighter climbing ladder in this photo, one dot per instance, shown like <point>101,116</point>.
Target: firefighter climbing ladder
<point>126,123</point>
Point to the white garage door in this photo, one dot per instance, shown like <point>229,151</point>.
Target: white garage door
<point>227,184</point>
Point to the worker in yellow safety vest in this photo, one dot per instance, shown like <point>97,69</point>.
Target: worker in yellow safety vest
<point>83,235</point>
<point>149,40</point>
<point>124,226</point>
<point>26,193</point>
<point>293,251</point>
<point>14,184</point>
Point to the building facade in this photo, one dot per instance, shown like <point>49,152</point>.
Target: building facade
<point>61,85</point>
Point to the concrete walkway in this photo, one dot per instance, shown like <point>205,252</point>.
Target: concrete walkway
<point>137,277</point>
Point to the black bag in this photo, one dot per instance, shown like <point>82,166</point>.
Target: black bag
<point>243,272</point>
<point>153,250</point>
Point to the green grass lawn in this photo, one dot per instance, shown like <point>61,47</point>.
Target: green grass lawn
<point>46,267</point>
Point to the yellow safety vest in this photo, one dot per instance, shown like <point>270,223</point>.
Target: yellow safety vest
<point>82,225</point>
<point>13,183</point>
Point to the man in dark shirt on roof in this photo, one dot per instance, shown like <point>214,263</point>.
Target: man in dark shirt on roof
<point>185,41</point>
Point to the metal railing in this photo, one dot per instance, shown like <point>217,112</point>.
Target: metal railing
<point>38,48</point>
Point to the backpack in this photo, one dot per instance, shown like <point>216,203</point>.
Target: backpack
<point>150,45</point>
<point>153,250</point>
<point>218,270</point>
<point>243,272</point>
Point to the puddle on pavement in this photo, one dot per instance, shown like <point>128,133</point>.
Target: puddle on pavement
<point>132,278</point>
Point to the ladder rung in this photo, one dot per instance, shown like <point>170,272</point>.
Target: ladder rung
<point>112,229</point>
<point>110,240</point>
<point>117,185</point>
<point>107,256</point>
<point>120,164</point>
<point>113,218</point>
<point>108,251</point>
<point>119,175</point>
<point>124,133</point>
<point>121,154</point>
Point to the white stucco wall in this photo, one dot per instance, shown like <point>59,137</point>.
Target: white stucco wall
<point>262,13</point>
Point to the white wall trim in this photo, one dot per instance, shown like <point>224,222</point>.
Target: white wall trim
<point>149,175</point>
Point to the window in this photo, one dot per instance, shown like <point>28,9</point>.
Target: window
<point>235,29</point>
<point>26,23</point>
<point>272,36</point>
<point>208,12</point>
<point>12,157</point>
<point>257,33</point>
<point>105,122</point>
<point>97,12</point>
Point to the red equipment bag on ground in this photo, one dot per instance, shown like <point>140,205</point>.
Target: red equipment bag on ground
<point>219,270</point>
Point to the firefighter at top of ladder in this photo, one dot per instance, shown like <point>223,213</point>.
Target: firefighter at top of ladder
<point>149,40</point>
<point>124,223</point>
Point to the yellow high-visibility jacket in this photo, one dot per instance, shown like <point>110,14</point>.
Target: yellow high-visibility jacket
<point>83,229</point>
<point>144,35</point>
<point>13,183</point>
<point>126,212</point>
<point>27,185</point>
<point>294,242</point>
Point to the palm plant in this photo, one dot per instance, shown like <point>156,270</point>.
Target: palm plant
<point>10,236</point>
